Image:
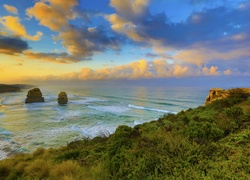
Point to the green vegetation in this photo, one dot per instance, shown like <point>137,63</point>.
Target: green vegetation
<point>208,142</point>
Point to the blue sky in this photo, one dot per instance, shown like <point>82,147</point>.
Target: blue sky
<point>130,39</point>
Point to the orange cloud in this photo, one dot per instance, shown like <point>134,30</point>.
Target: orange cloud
<point>124,26</point>
<point>135,70</point>
<point>10,9</point>
<point>201,56</point>
<point>127,12</point>
<point>62,58</point>
<point>130,8</point>
<point>17,29</point>
<point>227,72</point>
<point>54,16</point>
<point>210,71</point>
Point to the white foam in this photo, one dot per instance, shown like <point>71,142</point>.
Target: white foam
<point>110,109</point>
<point>149,109</point>
<point>87,100</point>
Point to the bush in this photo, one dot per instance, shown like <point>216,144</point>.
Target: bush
<point>234,111</point>
<point>238,93</point>
<point>203,131</point>
<point>67,170</point>
<point>38,169</point>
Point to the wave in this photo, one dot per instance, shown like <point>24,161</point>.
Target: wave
<point>86,100</point>
<point>149,109</point>
<point>110,109</point>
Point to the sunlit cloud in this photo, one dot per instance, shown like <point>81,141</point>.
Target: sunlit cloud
<point>210,71</point>
<point>11,9</point>
<point>227,72</point>
<point>141,69</point>
<point>13,25</point>
<point>81,43</point>
<point>213,34</point>
<point>61,58</point>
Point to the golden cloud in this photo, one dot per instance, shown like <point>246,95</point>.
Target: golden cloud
<point>130,8</point>
<point>201,56</point>
<point>13,25</point>
<point>210,71</point>
<point>11,9</point>
<point>61,58</point>
<point>54,16</point>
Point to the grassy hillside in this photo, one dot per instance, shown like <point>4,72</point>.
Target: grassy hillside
<point>208,142</point>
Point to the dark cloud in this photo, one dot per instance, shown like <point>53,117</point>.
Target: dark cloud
<point>51,57</point>
<point>207,25</point>
<point>12,45</point>
<point>151,55</point>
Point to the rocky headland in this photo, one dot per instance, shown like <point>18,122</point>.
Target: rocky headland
<point>219,93</point>
<point>9,88</point>
<point>13,87</point>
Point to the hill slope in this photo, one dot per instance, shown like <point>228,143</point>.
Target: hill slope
<point>208,142</point>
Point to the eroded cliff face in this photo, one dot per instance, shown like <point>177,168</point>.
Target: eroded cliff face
<point>215,94</point>
<point>219,93</point>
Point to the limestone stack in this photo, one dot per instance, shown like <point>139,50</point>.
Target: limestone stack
<point>34,95</point>
<point>62,98</point>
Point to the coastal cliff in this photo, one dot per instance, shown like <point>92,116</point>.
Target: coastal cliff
<point>219,93</point>
<point>9,88</point>
<point>13,87</point>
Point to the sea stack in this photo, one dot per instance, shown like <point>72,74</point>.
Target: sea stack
<point>62,98</point>
<point>34,95</point>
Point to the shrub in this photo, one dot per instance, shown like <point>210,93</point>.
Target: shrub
<point>67,170</point>
<point>72,154</point>
<point>5,168</point>
<point>203,131</point>
<point>234,111</point>
<point>238,93</point>
<point>38,169</point>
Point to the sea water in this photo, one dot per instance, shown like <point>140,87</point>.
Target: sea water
<point>93,109</point>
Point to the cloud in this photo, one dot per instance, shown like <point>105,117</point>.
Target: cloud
<point>62,58</point>
<point>81,42</point>
<point>55,15</point>
<point>213,33</point>
<point>141,69</point>
<point>12,46</point>
<point>13,25</point>
<point>227,72</point>
<point>11,9</point>
<point>210,71</point>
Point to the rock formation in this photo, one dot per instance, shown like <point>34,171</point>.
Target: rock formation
<point>34,95</point>
<point>215,94</point>
<point>9,88</point>
<point>62,98</point>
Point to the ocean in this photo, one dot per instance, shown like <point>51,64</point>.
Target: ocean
<point>93,109</point>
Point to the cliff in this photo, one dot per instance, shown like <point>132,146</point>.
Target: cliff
<point>219,93</point>
<point>9,88</point>
<point>13,87</point>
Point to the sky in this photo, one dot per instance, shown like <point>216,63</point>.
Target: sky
<point>79,40</point>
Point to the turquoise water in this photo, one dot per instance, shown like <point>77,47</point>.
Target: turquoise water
<point>93,109</point>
